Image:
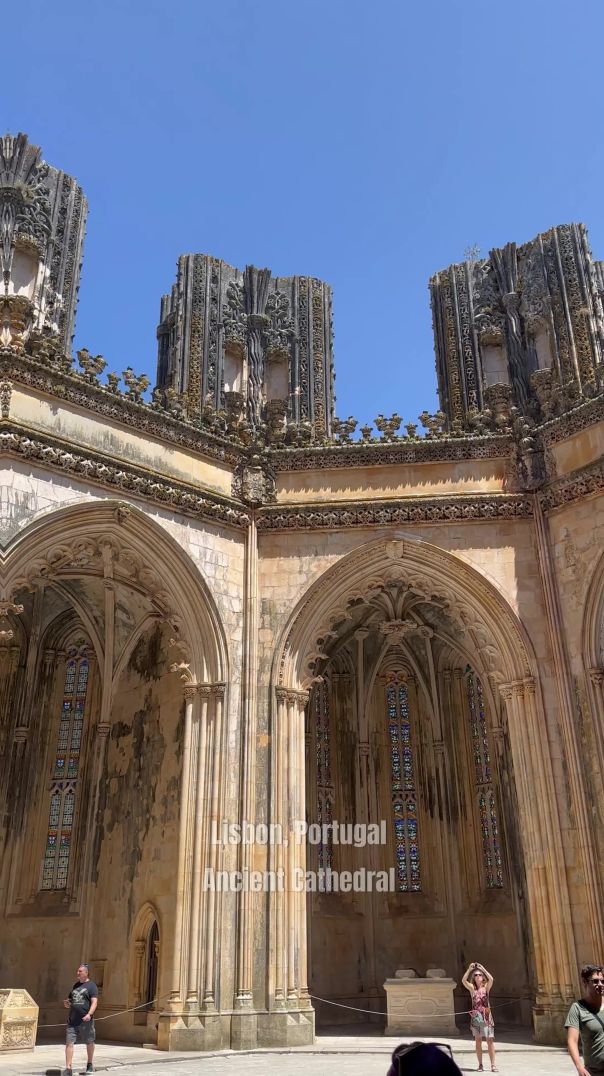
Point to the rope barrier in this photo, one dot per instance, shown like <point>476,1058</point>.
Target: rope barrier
<point>416,1016</point>
<point>326,1001</point>
<point>111,1015</point>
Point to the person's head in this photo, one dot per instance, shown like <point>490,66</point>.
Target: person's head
<point>478,978</point>
<point>592,980</point>
<point>421,1059</point>
<point>82,973</point>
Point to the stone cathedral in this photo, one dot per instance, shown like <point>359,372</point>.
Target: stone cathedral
<point>223,609</point>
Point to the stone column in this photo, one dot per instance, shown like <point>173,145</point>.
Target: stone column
<point>178,985</point>
<point>277,986</point>
<point>553,942</point>
<point>200,755</point>
<point>585,849</point>
<point>244,1023</point>
<point>288,979</point>
<point>214,852</point>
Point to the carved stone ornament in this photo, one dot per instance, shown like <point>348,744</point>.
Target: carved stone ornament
<point>18,1021</point>
<point>381,513</point>
<point>140,482</point>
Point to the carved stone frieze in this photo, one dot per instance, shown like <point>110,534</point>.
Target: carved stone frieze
<point>135,480</point>
<point>383,513</point>
<point>585,414</point>
<point>362,454</point>
<point>582,483</point>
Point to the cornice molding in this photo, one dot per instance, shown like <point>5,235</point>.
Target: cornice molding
<point>74,389</point>
<point>139,482</point>
<point>586,482</point>
<point>587,413</point>
<point>410,510</point>
<point>379,453</point>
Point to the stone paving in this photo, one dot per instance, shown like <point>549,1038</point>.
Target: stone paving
<point>341,1055</point>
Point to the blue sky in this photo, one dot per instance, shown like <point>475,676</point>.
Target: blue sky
<point>365,144</point>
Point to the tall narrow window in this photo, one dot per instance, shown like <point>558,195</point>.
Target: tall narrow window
<point>404,798</point>
<point>324,781</point>
<point>152,967</point>
<point>65,774</point>
<point>484,787</point>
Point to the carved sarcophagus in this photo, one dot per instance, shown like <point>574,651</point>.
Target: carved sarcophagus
<point>18,1021</point>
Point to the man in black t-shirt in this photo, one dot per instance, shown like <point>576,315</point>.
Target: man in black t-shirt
<point>81,1002</point>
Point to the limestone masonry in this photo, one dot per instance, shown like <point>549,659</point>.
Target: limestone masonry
<point>225,610</point>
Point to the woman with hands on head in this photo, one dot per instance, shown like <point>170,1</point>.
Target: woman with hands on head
<point>479,982</point>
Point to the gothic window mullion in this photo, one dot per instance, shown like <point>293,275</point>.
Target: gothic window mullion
<point>485,795</point>
<point>325,788</point>
<point>65,774</point>
<point>403,788</point>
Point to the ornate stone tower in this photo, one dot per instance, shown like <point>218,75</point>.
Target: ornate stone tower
<point>523,328</point>
<point>42,222</point>
<point>249,343</point>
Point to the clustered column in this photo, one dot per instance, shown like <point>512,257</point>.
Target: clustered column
<point>193,987</point>
<point>288,985</point>
<point>544,861</point>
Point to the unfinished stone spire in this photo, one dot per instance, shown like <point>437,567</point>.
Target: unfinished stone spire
<point>248,342</point>
<point>524,326</point>
<point>42,221</point>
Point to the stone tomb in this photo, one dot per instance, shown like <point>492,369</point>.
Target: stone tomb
<point>420,1006</point>
<point>18,1021</point>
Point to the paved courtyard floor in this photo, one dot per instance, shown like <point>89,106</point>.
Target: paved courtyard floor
<point>332,1055</point>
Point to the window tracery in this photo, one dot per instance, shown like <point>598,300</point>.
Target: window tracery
<point>485,795</point>
<point>325,789</point>
<point>403,789</point>
<point>66,771</point>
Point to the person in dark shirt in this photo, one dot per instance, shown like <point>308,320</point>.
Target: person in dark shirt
<point>585,1021</point>
<point>81,1002</point>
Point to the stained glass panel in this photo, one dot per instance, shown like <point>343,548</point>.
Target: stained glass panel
<point>55,866</point>
<point>485,792</point>
<point>404,801</point>
<point>325,791</point>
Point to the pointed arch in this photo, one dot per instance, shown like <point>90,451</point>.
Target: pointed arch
<point>179,591</point>
<point>494,629</point>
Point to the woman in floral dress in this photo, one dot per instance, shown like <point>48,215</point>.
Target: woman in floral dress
<point>479,982</point>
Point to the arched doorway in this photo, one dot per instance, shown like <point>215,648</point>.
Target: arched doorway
<point>402,641</point>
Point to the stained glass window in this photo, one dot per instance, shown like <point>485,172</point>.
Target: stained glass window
<point>65,773</point>
<point>483,782</point>
<point>404,797</point>
<point>325,789</point>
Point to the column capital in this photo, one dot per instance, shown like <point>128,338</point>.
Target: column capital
<point>192,690</point>
<point>596,676</point>
<point>291,697</point>
<point>518,688</point>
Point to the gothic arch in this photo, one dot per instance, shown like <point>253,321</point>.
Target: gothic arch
<point>73,537</point>
<point>146,919</point>
<point>499,649</point>
<point>495,632</point>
